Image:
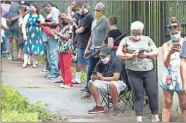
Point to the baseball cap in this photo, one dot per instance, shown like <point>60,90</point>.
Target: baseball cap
<point>105,51</point>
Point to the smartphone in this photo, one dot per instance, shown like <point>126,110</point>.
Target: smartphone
<point>94,72</point>
<point>141,51</point>
<point>176,45</point>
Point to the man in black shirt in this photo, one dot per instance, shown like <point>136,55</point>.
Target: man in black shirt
<point>83,33</point>
<point>107,78</point>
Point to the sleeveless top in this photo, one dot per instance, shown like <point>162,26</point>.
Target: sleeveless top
<point>173,70</point>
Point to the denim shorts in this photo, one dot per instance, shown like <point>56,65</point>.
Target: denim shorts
<point>176,85</point>
<point>80,57</point>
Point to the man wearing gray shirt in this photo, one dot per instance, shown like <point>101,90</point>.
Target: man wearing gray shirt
<point>183,65</point>
<point>98,33</point>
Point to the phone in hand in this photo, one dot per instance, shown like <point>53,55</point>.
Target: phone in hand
<point>176,45</point>
<point>94,73</point>
<point>141,52</point>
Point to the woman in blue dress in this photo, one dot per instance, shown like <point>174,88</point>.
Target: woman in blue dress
<point>32,34</point>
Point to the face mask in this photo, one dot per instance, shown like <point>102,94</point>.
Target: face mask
<point>105,60</point>
<point>136,37</point>
<point>175,37</point>
<point>33,9</point>
<point>97,15</point>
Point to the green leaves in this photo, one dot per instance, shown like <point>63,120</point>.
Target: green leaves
<point>16,108</point>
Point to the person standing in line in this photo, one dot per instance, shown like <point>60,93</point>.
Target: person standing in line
<point>171,80</point>
<point>138,51</point>
<point>183,65</point>
<point>32,34</point>
<point>83,33</point>
<point>13,32</point>
<point>65,49</point>
<point>99,31</point>
<point>52,52</point>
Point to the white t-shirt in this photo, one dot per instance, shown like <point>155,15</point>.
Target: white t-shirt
<point>54,14</point>
<point>3,22</point>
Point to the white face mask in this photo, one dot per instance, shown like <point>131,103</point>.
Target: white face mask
<point>136,37</point>
<point>105,60</point>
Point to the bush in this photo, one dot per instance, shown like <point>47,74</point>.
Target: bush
<point>16,108</point>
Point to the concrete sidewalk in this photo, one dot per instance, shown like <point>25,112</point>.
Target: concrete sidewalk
<point>32,84</point>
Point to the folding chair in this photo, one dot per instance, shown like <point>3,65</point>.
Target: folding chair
<point>125,96</point>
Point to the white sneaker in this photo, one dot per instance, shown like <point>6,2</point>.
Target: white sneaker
<point>10,57</point>
<point>76,81</point>
<point>65,86</point>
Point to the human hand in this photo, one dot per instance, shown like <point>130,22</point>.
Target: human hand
<point>94,77</point>
<point>134,54</point>
<point>143,55</point>
<point>55,32</point>
<point>86,53</point>
<point>24,37</point>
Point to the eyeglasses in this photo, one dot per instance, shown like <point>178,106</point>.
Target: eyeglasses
<point>136,34</point>
<point>173,27</point>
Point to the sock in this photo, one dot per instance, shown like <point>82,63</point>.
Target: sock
<point>78,76</point>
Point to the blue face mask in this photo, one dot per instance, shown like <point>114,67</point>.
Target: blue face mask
<point>175,37</point>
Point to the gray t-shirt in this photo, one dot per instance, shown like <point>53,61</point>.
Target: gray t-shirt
<point>137,64</point>
<point>99,32</point>
<point>183,50</point>
<point>13,11</point>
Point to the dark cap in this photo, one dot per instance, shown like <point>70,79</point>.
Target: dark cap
<point>105,51</point>
<point>45,4</point>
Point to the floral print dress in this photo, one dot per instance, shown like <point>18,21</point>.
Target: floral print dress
<point>34,43</point>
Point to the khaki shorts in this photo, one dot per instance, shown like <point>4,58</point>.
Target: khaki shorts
<point>103,86</point>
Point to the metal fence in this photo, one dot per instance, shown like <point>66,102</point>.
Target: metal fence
<point>154,14</point>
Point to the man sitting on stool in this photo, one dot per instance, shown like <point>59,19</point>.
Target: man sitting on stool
<point>107,78</point>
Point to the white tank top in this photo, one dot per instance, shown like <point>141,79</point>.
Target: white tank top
<point>175,58</point>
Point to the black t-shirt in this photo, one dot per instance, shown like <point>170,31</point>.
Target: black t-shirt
<point>77,17</point>
<point>108,70</point>
<point>82,38</point>
<point>114,33</point>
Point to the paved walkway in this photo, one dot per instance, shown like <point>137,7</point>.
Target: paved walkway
<point>32,84</point>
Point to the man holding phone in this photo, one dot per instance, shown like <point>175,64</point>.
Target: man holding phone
<point>108,77</point>
<point>183,65</point>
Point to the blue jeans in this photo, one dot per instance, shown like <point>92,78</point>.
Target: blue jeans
<point>91,66</point>
<point>5,44</point>
<point>52,56</point>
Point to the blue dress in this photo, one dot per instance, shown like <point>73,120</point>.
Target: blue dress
<point>34,43</point>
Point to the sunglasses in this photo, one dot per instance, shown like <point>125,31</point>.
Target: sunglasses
<point>173,27</point>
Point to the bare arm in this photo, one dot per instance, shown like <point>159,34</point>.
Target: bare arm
<point>65,37</point>
<point>110,43</point>
<point>114,78</point>
<point>80,30</point>
<point>122,55</point>
<point>166,55</point>
<point>15,18</point>
<point>183,71</point>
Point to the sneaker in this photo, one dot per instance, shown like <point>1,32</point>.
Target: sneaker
<point>96,109</point>
<point>10,57</point>
<point>58,81</point>
<point>76,81</point>
<point>65,86</point>
<point>115,110</point>
<point>44,71</point>
<point>49,76</point>
<point>84,89</point>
